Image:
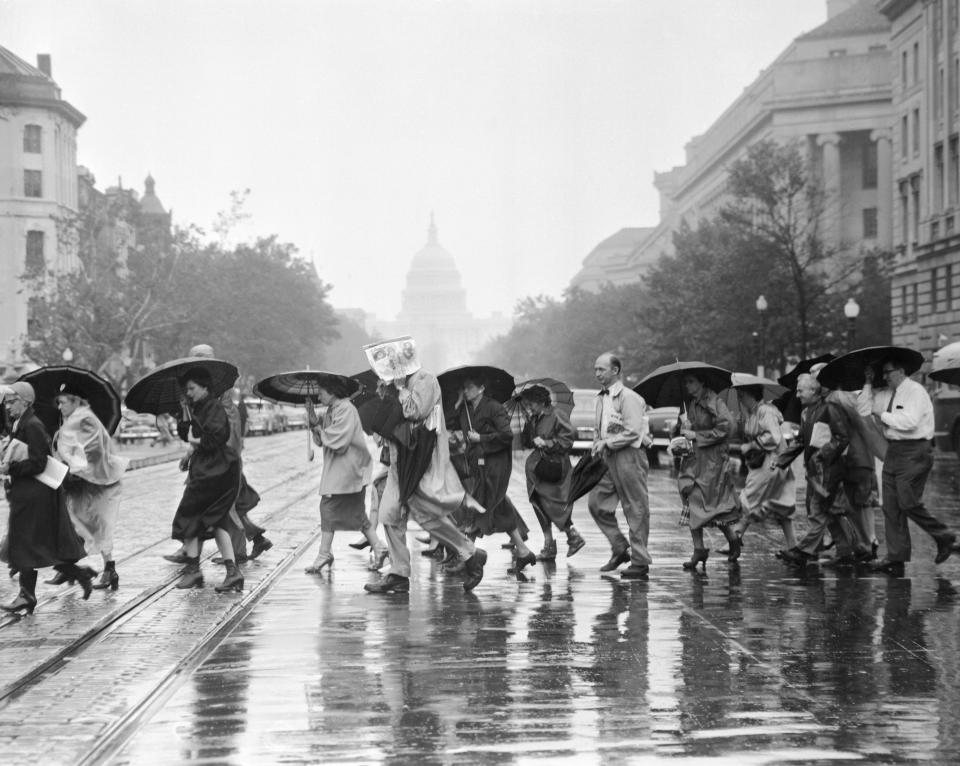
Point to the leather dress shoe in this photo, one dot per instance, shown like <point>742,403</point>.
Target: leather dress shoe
<point>618,558</point>
<point>574,544</point>
<point>945,546</point>
<point>892,568</point>
<point>473,569</point>
<point>392,583</point>
<point>635,572</point>
<point>177,558</point>
<point>260,545</point>
<point>522,561</point>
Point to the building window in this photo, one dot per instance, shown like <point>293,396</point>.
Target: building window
<point>938,178</point>
<point>904,136</point>
<point>953,184</point>
<point>934,274</point>
<point>916,131</point>
<point>953,17</point>
<point>938,95</point>
<point>948,287</point>
<point>915,206</point>
<point>904,309</point>
<point>904,213</point>
<point>869,160</point>
<point>916,63</point>
<point>913,301</point>
<point>34,263</point>
<point>32,183</point>
<point>904,69</point>
<point>869,223</point>
<point>33,139</point>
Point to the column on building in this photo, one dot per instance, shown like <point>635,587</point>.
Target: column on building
<point>882,137</point>
<point>829,144</point>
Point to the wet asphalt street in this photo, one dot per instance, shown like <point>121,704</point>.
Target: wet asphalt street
<point>748,664</point>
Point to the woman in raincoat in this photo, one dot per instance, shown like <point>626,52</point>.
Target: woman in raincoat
<point>92,487</point>
<point>705,478</point>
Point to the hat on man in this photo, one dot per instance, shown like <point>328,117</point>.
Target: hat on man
<point>202,349</point>
<point>24,391</point>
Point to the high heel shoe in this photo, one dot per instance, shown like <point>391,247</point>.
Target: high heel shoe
<point>322,560</point>
<point>23,602</point>
<point>359,545</point>
<point>522,561</point>
<point>699,557</point>
<point>233,579</point>
<point>377,558</point>
<point>85,577</point>
<point>108,579</point>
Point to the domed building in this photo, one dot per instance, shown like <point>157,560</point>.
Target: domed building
<point>433,309</point>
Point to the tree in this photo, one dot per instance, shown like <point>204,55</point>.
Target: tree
<point>781,202</point>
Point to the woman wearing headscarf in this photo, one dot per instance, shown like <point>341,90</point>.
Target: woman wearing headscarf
<point>213,481</point>
<point>92,488</point>
<point>770,491</point>
<point>347,471</point>
<point>705,480</point>
<point>549,433</point>
<point>40,533</point>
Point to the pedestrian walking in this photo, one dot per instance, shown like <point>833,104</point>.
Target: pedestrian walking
<point>550,435</point>
<point>621,428</point>
<point>705,477</point>
<point>213,481</point>
<point>483,428</point>
<point>906,412</point>
<point>770,492</point>
<point>39,532</point>
<point>92,488</point>
<point>347,471</point>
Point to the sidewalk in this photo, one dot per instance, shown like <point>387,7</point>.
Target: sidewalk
<point>141,454</point>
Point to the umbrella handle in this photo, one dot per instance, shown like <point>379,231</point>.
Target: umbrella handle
<point>310,452</point>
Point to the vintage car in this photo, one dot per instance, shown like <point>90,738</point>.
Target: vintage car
<point>263,417</point>
<point>295,416</point>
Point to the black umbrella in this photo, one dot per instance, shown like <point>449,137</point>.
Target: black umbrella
<point>297,386</point>
<point>498,384</point>
<point>947,374</point>
<point>585,476</point>
<point>664,386</point>
<point>368,381</point>
<point>846,372</point>
<point>159,391</point>
<point>47,382</point>
<point>804,365</point>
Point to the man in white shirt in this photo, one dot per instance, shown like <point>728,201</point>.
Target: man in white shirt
<point>906,412</point>
<point>621,427</point>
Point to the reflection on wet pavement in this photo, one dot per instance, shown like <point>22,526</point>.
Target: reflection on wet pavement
<point>746,665</point>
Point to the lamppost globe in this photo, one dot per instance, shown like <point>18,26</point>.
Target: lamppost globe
<point>67,355</point>
<point>851,310</point>
<point>761,305</point>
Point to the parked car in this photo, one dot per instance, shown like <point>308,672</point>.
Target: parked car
<point>296,416</point>
<point>583,418</point>
<point>660,422</point>
<point>263,417</point>
<point>135,427</point>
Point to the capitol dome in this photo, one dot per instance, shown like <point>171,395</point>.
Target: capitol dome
<point>434,290</point>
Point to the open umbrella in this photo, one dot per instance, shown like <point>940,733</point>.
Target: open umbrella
<point>789,379</point>
<point>561,397</point>
<point>298,386</point>
<point>664,386</point>
<point>846,372</point>
<point>771,389</point>
<point>498,384</point>
<point>159,391</point>
<point>48,381</point>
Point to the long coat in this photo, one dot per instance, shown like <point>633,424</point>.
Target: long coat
<point>40,533</point>
<point>347,465</point>
<point>549,499</point>
<point>213,481</point>
<point>768,490</point>
<point>705,479</point>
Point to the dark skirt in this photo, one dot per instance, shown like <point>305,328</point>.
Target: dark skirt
<point>206,503</point>
<point>343,512</point>
<point>40,533</point>
<point>550,511</point>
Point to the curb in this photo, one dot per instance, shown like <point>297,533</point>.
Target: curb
<point>144,462</point>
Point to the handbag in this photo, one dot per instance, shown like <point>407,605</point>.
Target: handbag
<point>754,458</point>
<point>549,468</point>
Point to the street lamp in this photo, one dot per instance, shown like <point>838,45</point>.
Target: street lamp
<point>851,310</point>
<point>67,355</point>
<point>762,311</point>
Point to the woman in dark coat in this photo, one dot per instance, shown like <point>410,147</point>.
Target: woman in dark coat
<point>40,533</point>
<point>549,434</point>
<point>213,481</point>
<point>484,429</point>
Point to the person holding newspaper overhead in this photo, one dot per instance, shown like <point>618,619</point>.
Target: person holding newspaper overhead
<point>40,532</point>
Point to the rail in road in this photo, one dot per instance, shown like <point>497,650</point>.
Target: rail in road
<point>93,661</point>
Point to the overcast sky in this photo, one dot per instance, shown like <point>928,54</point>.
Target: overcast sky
<point>531,128</point>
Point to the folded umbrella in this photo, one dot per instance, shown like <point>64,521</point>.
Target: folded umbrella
<point>664,386</point>
<point>586,474</point>
<point>298,386</point>
<point>159,391</point>
<point>368,381</point>
<point>846,372</point>
<point>47,382</point>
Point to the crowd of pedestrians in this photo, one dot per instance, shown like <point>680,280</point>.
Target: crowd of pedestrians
<point>447,466</point>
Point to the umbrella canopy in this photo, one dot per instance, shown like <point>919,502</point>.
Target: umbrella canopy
<point>561,397</point>
<point>771,389</point>
<point>664,386</point>
<point>159,391</point>
<point>789,380</point>
<point>948,373</point>
<point>47,382</point>
<point>585,476</point>
<point>367,380</point>
<point>498,384</point>
<point>298,386</point>
<point>846,372</point>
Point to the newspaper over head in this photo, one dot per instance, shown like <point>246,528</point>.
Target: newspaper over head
<point>393,359</point>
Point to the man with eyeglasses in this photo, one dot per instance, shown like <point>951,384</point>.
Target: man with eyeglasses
<point>906,413</point>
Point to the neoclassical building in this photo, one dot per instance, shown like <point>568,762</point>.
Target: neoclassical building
<point>433,309</point>
<point>925,44</point>
<point>830,91</point>
<point>38,187</point>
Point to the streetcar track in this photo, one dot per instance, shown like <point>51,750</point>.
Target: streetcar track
<point>117,617</point>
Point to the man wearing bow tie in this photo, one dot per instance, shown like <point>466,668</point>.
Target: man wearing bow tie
<point>906,413</point>
<point>621,428</point>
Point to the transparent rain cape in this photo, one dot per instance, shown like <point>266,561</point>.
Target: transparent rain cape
<point>85,446</point>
